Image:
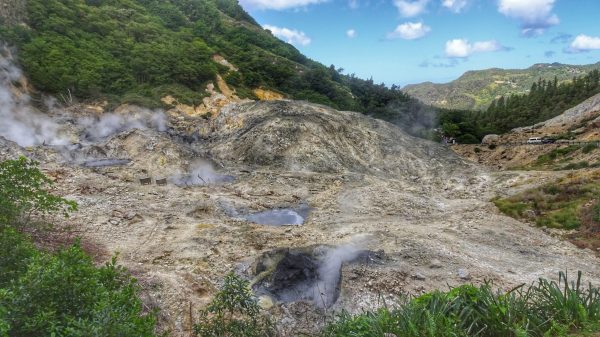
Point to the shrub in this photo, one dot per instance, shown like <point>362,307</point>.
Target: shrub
<point>23,193</point>
<point>576,166</point>
<point>596,214</point>
<point>64,294</point>
<point>511,208</point>
<point>234,311</point>
<point>567,218</point>
<point>590,147</point>
<point>551,189</point>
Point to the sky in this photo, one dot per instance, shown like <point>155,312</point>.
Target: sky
<point>411,41</point>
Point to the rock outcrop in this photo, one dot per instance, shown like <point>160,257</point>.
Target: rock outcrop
<point>13,12</point>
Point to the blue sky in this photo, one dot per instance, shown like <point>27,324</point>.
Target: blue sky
<point>411,41</point>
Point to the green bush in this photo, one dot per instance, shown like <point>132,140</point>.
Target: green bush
<point>23,193</point>
<point>234,311</point>
<point>576,166</point>
<point>555,205</point>
<point>589,148</point>
<point>567,218</point>
<point>545,308</point>
<point>596,212</point>
<point>62,293</point>
<point>512,208</point>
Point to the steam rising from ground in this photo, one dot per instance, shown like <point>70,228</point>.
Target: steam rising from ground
<point>326,289</point>
<point>110,124</point>
<point>201,173</point>
<point>20,123</point>
<point>313,275</point>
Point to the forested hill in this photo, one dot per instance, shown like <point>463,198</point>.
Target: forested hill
<point>138,51</point>
<point>475,90</point>
<point>545,100</point>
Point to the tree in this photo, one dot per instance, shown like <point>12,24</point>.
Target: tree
<point>23,193</point>
<point>234,311</point>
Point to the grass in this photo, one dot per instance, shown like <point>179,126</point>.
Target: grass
<point>596,213</point>
<point>575,166</point>
<point>545,308</point>
<point>556,154</point>
<point>572,203</point>
<point>589,148</point>
<point>515,209</point>
<point>557,205</point>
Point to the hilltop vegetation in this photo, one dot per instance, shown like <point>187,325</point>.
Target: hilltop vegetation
<point>545,100</point>
<point>138,51</point>
<point>476,90</point>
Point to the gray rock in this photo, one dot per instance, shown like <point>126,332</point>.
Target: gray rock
<point>435,264</point>
<point>419,276</point>
<point>464,274</point>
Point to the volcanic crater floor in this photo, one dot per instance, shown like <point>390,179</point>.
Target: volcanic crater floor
<point>180,242</point>
<point>423,212</point>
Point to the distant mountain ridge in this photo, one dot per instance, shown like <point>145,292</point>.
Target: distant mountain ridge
<point>476,89</point>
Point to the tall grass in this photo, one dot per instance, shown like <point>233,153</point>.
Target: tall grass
<point>545,308</point>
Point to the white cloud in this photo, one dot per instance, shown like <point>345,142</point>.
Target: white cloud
<point>583,43</point>
<point>411,8</point>
<point>351,33</point>
<point>462,48</point>
<point>278,4</point>
<point>409,31</point>
<point>289,35</point>
<point>535,15</point>
<point>455,5</point>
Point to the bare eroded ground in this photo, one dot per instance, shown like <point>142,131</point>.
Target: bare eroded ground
<point>434,223</point>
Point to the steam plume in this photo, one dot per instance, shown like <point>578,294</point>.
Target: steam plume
<point>24,125</point>
<point>201,172</point>
<point>110,123</point>
<point>20,122</point>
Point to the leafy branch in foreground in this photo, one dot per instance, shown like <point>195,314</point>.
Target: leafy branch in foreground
<point>59,293</point>
<point>24,193</point>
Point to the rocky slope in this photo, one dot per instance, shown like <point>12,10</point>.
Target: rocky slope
<point>477,89</point>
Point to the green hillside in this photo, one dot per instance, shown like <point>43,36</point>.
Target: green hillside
<point>475,90</point>
<point>545,100</point>
<point>138,51</point>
